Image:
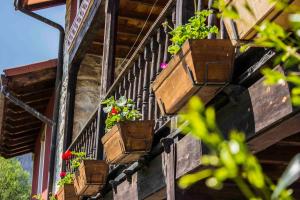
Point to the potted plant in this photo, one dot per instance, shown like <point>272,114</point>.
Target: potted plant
<point>249,14</point>
<point>198,67</point>
<point>90,175</point>
<point>66,188</point>
<point>126,138</point>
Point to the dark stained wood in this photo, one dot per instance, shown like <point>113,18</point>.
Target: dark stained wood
<point>260,10</point>
<point>146,83</point>
<point>91,177</point>
<point>173,87</point>
<point>34,85</point>
<point>144,184</point>
<point>109,48</point>
<point>67,192</point>
<point>153,69</point>
<point>128,141</point>
<point>140,83</point>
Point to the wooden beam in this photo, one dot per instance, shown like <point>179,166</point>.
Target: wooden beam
<point>121,50</point>
<point>23,125</point>
<point>109,48</point>
<point>11,155</point>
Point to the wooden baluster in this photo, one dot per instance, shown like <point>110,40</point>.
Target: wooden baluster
<point>94,139</point>
<point>167,42</point>
<point>145,109</point>
<point>116,95</point>
<point>153,47</point>
<point>174,19</point>
<point>85,141</point>
<point>120,92</point>
<point>223,30</point>
<point>130,79</point>
<point>212,19</point>
<point>90,137</point>
<point>136,81</point>
<point>200,5</point>
<point>125,86</point>
<point>160,57</point>
<point>140,83</point>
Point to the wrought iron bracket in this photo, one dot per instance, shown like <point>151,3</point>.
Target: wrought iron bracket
<point>128,174</point>
<point>205,78</point>
<point>114,184</point>
<point>232,91</point>
<point>167,143</point>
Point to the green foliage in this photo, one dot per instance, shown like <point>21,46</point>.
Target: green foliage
<point>14,181</point>
<point>229,159</point>
<point>119,110</point>
<point>77,159</point>
<point>67,179</point>
<point>196,28</point>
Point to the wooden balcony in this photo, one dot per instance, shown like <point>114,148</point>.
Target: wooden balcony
<point>141,66</point>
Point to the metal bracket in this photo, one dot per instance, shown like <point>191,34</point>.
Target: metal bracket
<point>114,184</point>
<point>167,143</point>
<point>128,174</point>
<point>231,91</point>
<point>205,78</point>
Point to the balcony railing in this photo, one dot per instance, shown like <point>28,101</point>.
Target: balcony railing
<point>87,141</point>
<point>138,74</point>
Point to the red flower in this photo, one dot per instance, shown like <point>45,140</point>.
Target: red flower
<point>62,174</point>
<point>67,155</point>
<point>55,196</point>
<point>114,111</point>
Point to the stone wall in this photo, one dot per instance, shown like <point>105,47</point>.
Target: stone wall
<point>87,91</point>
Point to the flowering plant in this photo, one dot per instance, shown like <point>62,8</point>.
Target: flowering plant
<point>196,28</point>
<point>119,110</point>
<point>66,178</point>
<point>75,158</point>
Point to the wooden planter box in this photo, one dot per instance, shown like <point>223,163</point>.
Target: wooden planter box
<point>90,177</point>
<point>202,68</point>
<point>262,9</point>
<point>126,142</point>
<point>67,192</point>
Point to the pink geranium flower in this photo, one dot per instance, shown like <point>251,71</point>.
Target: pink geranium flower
<point>163,65</point>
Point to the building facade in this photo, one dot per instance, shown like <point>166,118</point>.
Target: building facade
<point>116,48</point>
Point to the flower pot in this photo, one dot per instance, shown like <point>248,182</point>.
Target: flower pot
<point>202,68</point>
<point>127,141</point>
<point>67,192</point>
<point>90,177</point>
<point>261,10</point>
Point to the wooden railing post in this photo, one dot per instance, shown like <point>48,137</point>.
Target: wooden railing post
<point>153,47</point>
<point>147,57</point>
<point>140,83</point>
<point>212,19</point>
<point>109,46</point>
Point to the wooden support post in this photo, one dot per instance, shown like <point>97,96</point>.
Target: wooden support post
<point>71,92</point>
<point>109,48</point>
<point>108,63</point>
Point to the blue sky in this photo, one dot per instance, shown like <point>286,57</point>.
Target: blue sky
<point>24,40</point>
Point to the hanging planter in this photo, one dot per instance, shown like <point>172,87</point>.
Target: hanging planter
<point>67,192</point>
<point>199,66</point>
<point>90,177</point>
<point>126,139</point>
<point>252,15</point>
